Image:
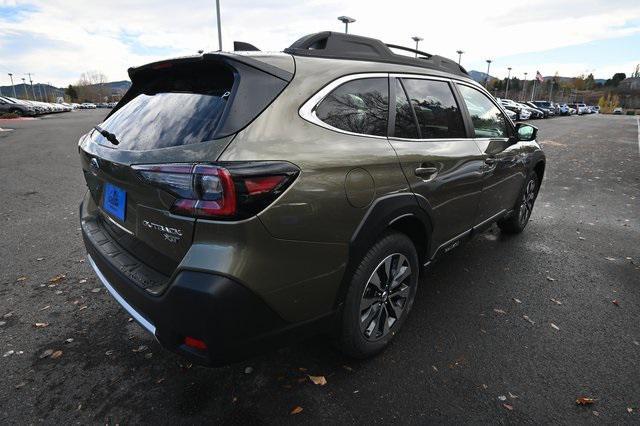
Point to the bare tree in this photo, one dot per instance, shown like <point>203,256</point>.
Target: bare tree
<point>91,87</point>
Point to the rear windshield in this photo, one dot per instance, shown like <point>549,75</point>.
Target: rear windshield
<point>174,105</point>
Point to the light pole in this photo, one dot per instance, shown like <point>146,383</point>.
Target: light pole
<point>346,21</point>
<point>506,91</point>
<point>26,92</point>
<point>417,40</point>
<point>486,84</point>
<point>12,86</point>
<point>219,26</point>
<point>459,52</point>
<point>524,87</point>
<point>31,82</point>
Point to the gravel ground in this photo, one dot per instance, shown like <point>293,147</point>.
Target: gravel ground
<point>504,329</point>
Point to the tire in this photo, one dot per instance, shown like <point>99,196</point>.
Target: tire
<point>516,223</point>
<point>365,331</point>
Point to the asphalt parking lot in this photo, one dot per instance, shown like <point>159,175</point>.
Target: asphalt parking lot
<point>504,329</point>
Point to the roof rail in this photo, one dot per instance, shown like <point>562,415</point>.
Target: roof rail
<point>328,44</point>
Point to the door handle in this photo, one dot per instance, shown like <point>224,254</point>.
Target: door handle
<point>426,172</point>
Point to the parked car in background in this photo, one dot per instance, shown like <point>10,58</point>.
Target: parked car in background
<point>521,113</point>
<point>534,113</point>
<point>539,112</point>
<point>14,106</point>
<point>563,109</point>
<point>595,109</point>
<point>545,106</point>
<point>512,115</point>
<point>88,105</point>
<point>618,111</point>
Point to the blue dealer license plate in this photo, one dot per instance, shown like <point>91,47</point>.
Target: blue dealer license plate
<point>114,201</point>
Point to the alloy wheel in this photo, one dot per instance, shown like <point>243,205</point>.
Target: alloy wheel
<point>385,296</point>
<point>528,198</point>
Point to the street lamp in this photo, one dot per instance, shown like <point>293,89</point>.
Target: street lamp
<point>12,86</point>
<point>506,92</point>
<point>219,25</point>
<point>459,52</point>
<point>524,86</point>
<point>488,67</point>
<point>346,21</point>
<point>417,40</point>
<point>26,93</point>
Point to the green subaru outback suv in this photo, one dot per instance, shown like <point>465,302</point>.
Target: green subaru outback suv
<point>241,200</point>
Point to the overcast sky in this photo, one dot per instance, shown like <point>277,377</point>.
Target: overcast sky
<point>57,40</point>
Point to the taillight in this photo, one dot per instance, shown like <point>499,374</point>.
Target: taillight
<point>226,190</point>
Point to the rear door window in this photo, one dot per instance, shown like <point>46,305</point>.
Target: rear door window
<point>405,126</point>
<point>181,105</point>
<point>488,120</point>
<point>358,106</point>
<point>436,109</point>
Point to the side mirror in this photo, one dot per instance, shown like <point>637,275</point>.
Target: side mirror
<point>526,132</point>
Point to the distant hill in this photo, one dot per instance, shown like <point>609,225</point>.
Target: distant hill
<point>480,77</point>
<point>42,90</point>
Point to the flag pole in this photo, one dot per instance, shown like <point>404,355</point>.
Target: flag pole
<point>533,90</point>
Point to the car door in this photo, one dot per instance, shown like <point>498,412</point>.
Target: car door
<point>503,170</point>
<point>442,165</point>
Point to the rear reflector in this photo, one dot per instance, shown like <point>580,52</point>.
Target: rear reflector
<point>194,343</point>
<point>263,184</point>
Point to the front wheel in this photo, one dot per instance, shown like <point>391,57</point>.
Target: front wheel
<point>516,223</point>
<point>380,296</point>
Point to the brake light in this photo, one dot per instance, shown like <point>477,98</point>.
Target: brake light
<point>225,191</point>
<point>194,343</point>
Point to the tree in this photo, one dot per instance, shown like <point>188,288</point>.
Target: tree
<point>608,104</point>
<point>71,92</point>
<point>589,82</point>
<point>636,73</point>
<point>615,80</point>
<point>91,87</point>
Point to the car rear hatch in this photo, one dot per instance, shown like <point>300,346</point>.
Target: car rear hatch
<point>152,150</point>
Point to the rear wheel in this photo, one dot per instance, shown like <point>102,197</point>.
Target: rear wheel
<point>16,112</point>
<point>520,217</point>
<point>380,296</point>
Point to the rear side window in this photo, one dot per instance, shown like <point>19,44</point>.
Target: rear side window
<point>358,106</point>
<point>180,105</point>
<point>436,109</point>
<point>487,119</point>
<point>405,126</point>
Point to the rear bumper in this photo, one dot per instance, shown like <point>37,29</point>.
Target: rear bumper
<point>233,321</point>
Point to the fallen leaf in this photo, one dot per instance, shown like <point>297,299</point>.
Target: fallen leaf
<point>517,300</point>
<point>629,410</point>
<point>56,355</point>
<point>612,259</point>
<point>39,259</point>
<point>109,352</point>
<point>557,302</point>
<point>583,400</point>
<point>21,279</point>
<point>41,324</point>
<point>45,308</point>
<point>296,410</point>
<point>2,323</point>
<point>7,315</point>
<point>508,407</point>
<point>8,353</point>
<point>502,397</point>
<point>148,356</point>
<point>595,413</point>
<point>555,326</point>
<point>550,279</point>
<point>140,348</point>
<point>248,370</point>
<point>302,369</point>
<point>19,385</point>
<point>512,396</point>
<point>499,311</point>
<point>82,308</point>
<point>615,302</point>
<point>82,281</point>
<point>581,238</point>
<point>160,380</point>
<point>46,353</point>
<point>318,380</point>
<point>57,278</point>
<point>96,290</point>
<point>528,319</point>
<point>69,340</point>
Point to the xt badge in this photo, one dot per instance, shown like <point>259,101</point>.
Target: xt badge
<point>173,235</point>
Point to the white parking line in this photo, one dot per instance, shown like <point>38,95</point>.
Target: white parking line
<point>638,120</point>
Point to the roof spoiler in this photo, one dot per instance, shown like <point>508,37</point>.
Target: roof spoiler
<point>241,46</point>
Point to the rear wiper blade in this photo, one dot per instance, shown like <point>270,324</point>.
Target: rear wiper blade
<point>108,135</point>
